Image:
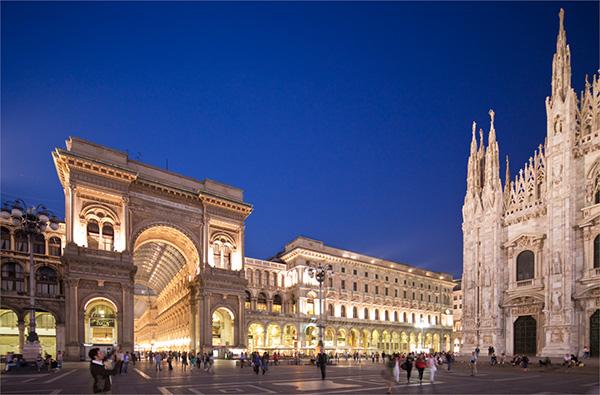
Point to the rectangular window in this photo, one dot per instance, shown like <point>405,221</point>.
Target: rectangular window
<point>343,269</point>
<point>376,276</point>
<point>404,294</point>
<point>455,307</point>
<point>355,272</point>
<point>343,284</point>
<point>395,293</point>
<point>366,274</point>
<point>377,289</point>
<point>421,297</point>
<point>387,291</point>
<point>366,288</point>
<point>387,278</point>
<point>355,286</point>
<point>396,280</point>
<point>330,282</point>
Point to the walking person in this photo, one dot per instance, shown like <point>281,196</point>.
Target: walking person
<point>126,358</point>
<point>408,364</point>
<point>473,363</point>
<point>256,362</point>
<point>59,359</point>
<point>170,361</point>
<point>157,361</point>
<point>420,364</point>
<point>265,363</point>
<point>184,361</point>
<point>525,363</point>
<point>388,374</point>
<point>242,359</point>
<point>101,375</point>
<point>449,360</point>
<point>322,363</point>
<point>432,365</point>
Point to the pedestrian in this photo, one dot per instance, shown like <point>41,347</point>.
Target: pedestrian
<point>157,361</point>
<point>59,359</point>
<point>586,352</point>
<point>126,358</point>
<point>101,375</point>
<point>408,365</point>
<point>502,358</point>
<point>322,363</point>
<point>473,363</point>
<point>265,362</point>
<point>420,364</point>
<point>170,361</point>
<point>396,371</point>
<point>432,365</point>
<point>211,363</point>
<point>388,374</point>
<point>184,361</point>
<point>242,359</point>
<point>525,363</point>
<point>477,351</point>
<point>192,361</point>
<point>256,362</point>
<point>449,360</point>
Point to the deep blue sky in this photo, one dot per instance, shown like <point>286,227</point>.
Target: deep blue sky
<point>345,122</point>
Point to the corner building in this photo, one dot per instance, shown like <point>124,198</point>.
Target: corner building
<point>531,249</point>
<point>149,259</point>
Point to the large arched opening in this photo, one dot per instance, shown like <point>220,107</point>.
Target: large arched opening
<point>223,327</point>
<point>167,259</point>
<point>9,332</point>
<point>525,335</point>
<point>100,323</point>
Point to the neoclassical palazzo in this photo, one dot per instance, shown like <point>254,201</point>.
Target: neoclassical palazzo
<point>531,273</point>
<point>150,259</point>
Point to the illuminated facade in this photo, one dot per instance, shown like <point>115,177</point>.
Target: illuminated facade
<point>150,259</point>
<point>531,269</point>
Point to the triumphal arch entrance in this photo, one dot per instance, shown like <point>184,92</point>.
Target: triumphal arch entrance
<point>153,259</point>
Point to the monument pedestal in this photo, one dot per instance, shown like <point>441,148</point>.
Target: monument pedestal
<point>31,351</point>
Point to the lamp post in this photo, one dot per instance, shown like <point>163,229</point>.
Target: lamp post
<point>422,325</point>
<point>319,272</point>
<point>33,221</point>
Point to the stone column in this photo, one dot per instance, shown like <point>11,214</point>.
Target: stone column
<point>21,326</point>
<point>60,338</point>
<point>126,337</point>
<point>193,313</point>
<point>72,340</point>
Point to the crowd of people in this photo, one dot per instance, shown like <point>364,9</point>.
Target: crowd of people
<point>17,361</point>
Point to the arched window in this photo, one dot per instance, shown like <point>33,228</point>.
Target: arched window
<point>525,265</point>
<point>257,278</point>
<point>248,301</point>
<point>413,318</point>
<point>277,303</point>
<point>12,277</point>
<point>377,314</point>
<point>4,238</point>
<point>396,316</point>
<point>343,311</point>
<point>93,234</point>
<point>39,244</point>
<point>249,276</point>
<point>47,281</point>
<point>21,243</point>
<point>387,315</point>
<point>437,321</point>
<point>597,252</point>
<point>261,302</point>
<point>108,237</point>
<point>266,279</point>
<point>354,312</point>
<point>330,310</point>
<point>54,246</point>
<point>366,313</point>
<point>404,317</point>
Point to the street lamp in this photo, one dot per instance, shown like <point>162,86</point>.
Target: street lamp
<point>31,220</point>
<point>319,272</point>
<point>422,325</point>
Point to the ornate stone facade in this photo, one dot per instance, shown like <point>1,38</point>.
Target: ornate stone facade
<point>531,271</point>
<point>155,260</point>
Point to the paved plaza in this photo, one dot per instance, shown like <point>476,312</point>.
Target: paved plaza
<point>285,379</point>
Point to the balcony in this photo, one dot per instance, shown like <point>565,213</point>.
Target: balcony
<point>524,283</point>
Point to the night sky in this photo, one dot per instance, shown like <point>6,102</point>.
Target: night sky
<point>345,122</point>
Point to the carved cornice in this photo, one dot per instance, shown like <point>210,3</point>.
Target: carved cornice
<point>66,161</point>
<point>225,205</point>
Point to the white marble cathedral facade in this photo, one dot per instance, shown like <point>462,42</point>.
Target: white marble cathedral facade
<point>531,270</point>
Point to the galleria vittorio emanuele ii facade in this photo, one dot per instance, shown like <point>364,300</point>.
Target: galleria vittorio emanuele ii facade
<point>149,259</point>
<point>531,275</point>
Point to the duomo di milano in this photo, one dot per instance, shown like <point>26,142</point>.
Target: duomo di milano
<point>150,259</point>
<point>531,265</point>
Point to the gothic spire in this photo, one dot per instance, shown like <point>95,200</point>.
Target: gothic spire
<point>507,176</point>
<point>561,63</point>
<point>492,136</point>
